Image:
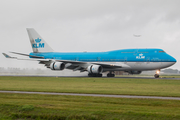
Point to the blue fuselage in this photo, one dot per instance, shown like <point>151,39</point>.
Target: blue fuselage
<point>124,55</point>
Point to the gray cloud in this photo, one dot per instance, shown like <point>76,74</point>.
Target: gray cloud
<point>95,25</point>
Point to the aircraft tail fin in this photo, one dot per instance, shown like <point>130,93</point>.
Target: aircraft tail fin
<point>37,42</point>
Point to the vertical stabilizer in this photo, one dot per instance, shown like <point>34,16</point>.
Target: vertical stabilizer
<point>37,42</point>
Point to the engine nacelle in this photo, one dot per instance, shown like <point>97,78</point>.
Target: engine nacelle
<point>95,69</point>
<point>57,66</point>
<point>134,72</point>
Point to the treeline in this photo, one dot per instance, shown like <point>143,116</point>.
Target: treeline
<point>10,70</point>
<point>38,71</point>
<point>175,71</point>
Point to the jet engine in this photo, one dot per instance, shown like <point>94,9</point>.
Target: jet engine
<point>57,66</point>
<point>95,69</point>
<point>134,72</point>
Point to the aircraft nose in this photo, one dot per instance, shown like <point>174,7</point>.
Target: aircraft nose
<point>173,60</point>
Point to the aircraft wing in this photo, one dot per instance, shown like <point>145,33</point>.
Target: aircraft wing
<point>82,66</point>
<point>27,55</point>
<point>106,65</point>
<point>73,65</point>
<point>32,59</point>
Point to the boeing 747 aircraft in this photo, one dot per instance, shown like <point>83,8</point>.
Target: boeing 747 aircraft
<point>133,61</point>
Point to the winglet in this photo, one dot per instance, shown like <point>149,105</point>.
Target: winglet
<point>6,55</point>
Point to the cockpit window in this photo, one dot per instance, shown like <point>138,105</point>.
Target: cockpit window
<point>161,52</point>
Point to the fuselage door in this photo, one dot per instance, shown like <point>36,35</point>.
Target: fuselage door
<point>77,59</point>
<point>98,58</point>
<point>135,52</point>
<point>125,59</point>
<point>148,60</point>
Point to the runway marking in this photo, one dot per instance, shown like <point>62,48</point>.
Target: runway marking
<point>94,95</point>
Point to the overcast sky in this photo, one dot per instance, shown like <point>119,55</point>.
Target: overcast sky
<point>89,25</point>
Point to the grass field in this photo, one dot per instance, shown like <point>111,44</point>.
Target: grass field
<point>128,86</point>
<point>33,107</point>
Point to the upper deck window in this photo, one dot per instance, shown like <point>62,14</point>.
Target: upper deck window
<point>161,52</point>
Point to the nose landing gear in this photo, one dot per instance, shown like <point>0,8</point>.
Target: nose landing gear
<point>157,74</point>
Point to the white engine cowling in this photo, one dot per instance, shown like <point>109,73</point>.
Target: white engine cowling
<point>57,66</point>
<point>95,69</point>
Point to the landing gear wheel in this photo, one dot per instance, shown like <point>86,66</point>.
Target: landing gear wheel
<point>90,75</point>
<point>156,75</point>
<point>99,75</point>
<point>110,75</point>
<point>94,75</point>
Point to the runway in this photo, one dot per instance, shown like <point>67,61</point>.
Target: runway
<point>130,77</point>
<point>94,95</point>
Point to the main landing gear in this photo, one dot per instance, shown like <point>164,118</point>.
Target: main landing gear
<point>94,75</point>
<point>157,74</point>
<point>110,74</point>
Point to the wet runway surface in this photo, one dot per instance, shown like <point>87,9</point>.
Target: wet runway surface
<point>150,78</point>
<point>130,77</point>
<point>94,95</point>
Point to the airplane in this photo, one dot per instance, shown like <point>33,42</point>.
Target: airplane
<point>137,35</point>
<point>133,61</point>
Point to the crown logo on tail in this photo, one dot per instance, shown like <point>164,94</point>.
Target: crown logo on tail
<point>38,43</point>
<point>38,40</point>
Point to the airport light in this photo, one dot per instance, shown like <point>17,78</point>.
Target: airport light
<point>158,71</point>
